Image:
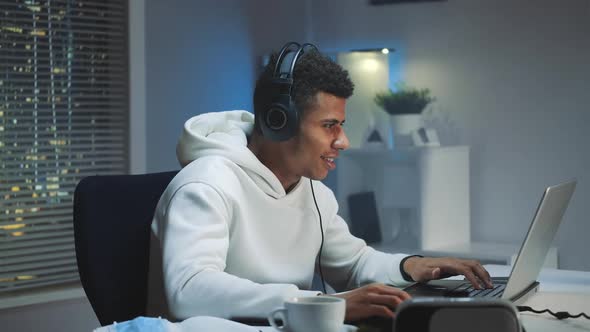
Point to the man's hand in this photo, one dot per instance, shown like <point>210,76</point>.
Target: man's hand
<point>372,300</point>
<point>423,269</point>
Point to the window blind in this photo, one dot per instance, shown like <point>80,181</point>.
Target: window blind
<point>64,114</point>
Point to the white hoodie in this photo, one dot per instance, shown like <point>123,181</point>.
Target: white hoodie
<point>234,244</point>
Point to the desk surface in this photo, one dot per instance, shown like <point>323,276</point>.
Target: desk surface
<point>553,280</point>
<point>573,303</point>
<point>560,290</point>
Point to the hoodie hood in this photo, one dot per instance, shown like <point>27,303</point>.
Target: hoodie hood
<point>225,134</point>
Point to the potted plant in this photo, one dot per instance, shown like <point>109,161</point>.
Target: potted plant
<point>405,106</point>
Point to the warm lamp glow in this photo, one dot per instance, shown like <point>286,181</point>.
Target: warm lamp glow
<point>370,65</point>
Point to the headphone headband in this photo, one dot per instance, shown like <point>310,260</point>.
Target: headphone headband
<point>296,56</point>
<point>280,121</point>
<point>277,72</point>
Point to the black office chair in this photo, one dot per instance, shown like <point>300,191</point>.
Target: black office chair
<point>112,218</point>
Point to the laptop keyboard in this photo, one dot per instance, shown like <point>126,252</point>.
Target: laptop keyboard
<point>468,290</point>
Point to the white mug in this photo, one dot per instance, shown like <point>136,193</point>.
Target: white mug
<point>310,313</point>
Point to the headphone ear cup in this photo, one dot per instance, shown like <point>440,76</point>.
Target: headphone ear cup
<point>281,120</point>
<point>276,117</point>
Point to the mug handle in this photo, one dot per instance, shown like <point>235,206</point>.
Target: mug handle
<point>272,316</point>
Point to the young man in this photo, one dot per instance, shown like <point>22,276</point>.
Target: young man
<point>239,227</point>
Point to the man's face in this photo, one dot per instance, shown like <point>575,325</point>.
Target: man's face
<point>312,153</point>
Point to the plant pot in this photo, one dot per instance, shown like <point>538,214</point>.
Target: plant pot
<point>405,124</point>
<point>402,127</point>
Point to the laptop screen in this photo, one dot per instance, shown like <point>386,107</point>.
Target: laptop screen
<point>538,240</point>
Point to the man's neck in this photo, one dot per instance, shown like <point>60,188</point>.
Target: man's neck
<point>267,153</point>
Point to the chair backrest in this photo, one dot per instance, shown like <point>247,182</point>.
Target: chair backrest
<point>112,218</point>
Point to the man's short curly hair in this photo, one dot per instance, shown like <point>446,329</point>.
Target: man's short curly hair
<point>313,73</point>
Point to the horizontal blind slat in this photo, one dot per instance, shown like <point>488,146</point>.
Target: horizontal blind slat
<point>18,12</point>
<point>92,45</point>
<point>16,245</point>
<point>76,114</point>
<point>80,168</point>
<point>73,10</point>
<point>102,161</point>
<point>96,47</point>
<point>41,179</point>
<point>34,251</point>
<point>75,147</point>
<point>65,219</point>
<point>72,147</point>
<point>57,154</point>
<point>58,225</point>
<point>79,107</point>
<point>63,115</point>
<point>55,269</point>
<point>92,85</point>
<point>73,132</point>
<point>44,75</point>
<point>15,20</point>
<point>94,54</point>
<point>42,31</point>
<point>32,229</point>
<point>26,267</point>
<point>53,279</point>
<point>112,18</point>
<point>49,209</point>
<point>86,4</point>
<point>39,257</point>
<point>30,239</point>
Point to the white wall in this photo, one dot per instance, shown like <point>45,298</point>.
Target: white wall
<point>513,75</point>
<point>137,88</point>
<point>197,60</point>
<point>370,73</point>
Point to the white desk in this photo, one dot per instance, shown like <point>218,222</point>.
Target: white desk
<point>560,290</point>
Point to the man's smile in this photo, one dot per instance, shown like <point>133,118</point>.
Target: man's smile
<point>330,161</point>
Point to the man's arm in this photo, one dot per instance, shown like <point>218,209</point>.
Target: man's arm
<point>361,273</point>
<point>194,232</point>
<point>349,263</point>
<point>352,263</point>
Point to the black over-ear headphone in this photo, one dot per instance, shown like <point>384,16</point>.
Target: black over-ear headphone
<point>280,120</point>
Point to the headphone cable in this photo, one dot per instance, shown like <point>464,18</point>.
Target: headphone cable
<point>558,314</point>
<point>322,243</point>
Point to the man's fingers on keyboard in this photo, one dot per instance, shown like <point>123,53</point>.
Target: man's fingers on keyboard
<point>472,279</point>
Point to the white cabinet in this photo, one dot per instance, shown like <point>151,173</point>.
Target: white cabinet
<point>422,200</point>
<point>422,194</point>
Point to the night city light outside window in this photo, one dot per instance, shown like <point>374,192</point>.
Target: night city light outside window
<point>64,115</point>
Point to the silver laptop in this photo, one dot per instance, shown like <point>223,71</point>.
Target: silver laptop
<point>522,280</point>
